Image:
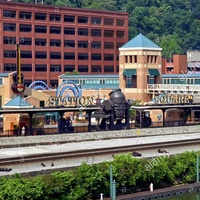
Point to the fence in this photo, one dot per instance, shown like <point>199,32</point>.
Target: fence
<point>94,128</point>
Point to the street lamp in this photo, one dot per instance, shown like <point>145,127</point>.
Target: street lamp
<point>170,55</point>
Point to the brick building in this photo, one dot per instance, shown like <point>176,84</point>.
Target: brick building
<point>55,40</point>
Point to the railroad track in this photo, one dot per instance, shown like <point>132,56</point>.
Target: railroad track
<point>94,152</point>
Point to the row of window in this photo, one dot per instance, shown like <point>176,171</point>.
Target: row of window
<point>58,18</point>
<point>57,55</point>
<point>67,31</point>
<point>53,83</point>
<point>133,59</point>
<point>57,68</point>
<point>58,43</point>
<point>131,81</point>
<point>94,81</point>
<point>180,80</point>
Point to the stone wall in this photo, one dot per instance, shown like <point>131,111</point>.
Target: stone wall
<point>76,137</point>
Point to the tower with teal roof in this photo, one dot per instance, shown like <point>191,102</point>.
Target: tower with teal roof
<point>140,62</point>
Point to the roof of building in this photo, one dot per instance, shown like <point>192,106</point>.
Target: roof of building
<point>17,102</point>
<point>64,76</point>
<point>142,42</point>
<point>4,74</point>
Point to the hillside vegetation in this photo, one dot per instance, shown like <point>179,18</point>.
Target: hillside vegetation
<point>173,24</point>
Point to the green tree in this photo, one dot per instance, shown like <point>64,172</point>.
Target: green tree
<point>132,112</point>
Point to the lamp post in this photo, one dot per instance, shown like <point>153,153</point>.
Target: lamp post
<point>170,55</point>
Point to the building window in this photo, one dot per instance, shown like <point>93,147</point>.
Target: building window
<point>26,67</point>
<point>55,68</point>
<point>151,59</point>
<point>10,67</point>
<point>25,28</point>
<point>82,20</point>
<point>135,59</point>
<point>82,31</point>
<point>27,82</point>
<point>96,45</point>
<point>108,33</point>
<point>119,45</point>
<point>40,29</point>
<point>69,68</point>
<point>9,54</point>
<point>108,69</point>
<point>26,41</point>
<point>96,56</point>
<point>108,45</point>
<point>55,55</point>
<point>68,18</point>
<point>82,68</point>
<point>96,20</point>
<point>120,22</point>
<point>41,54</point>
<point>40,42</point>
<point>26,54</point>
<point>126,59</point>
<point>82,56</point>
<point>69,43</point>
<point>96,32</point>
<point>40,68</point>
<point>55,43</point>
<point>120,34</point>
<point>54,83</point>
<point>55,18</point>
<point>69,31</point>
<point>55,30</point>
<point>9,40</point>
<point>82,44</point>
<point>1,107</point>
<point>102,81</point>
<point>69,56</point>
<point>9,27</point>
<point>108,22</point>
<point>42,104</point>
<point>109,57</point>
<point>9,14</point>
<point>131,81</point>
<point>40,16</point>
<point>151,79</point>
<point>24,15</point>
<point>96,68</point>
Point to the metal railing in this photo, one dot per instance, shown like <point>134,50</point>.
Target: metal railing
<point>94,128</point>
<point>173,88</point>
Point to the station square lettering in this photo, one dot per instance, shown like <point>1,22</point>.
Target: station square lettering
<point>174,99</point>
<point>71,101</point>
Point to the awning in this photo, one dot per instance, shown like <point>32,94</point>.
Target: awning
<point>154,72</point>
<point>129,72</point>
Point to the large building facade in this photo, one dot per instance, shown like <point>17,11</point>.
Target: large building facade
<point>56,40</point>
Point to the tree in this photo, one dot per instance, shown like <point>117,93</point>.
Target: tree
<point>132,112</point>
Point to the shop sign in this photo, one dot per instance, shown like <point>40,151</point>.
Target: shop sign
<point>175,99</point>
<point>71,101</point>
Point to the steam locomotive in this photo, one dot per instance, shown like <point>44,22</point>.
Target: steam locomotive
<point>114,113</point>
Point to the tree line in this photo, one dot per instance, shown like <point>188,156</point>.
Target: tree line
<point>172,24</point>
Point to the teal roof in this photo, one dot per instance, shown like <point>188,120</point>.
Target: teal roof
<point>140,41</point>
<point>17,102</point>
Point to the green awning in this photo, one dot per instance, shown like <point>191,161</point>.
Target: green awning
<point>129,72</point>
<point>154,72</point>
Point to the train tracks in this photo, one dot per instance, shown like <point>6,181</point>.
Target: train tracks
<point>61,158</point>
